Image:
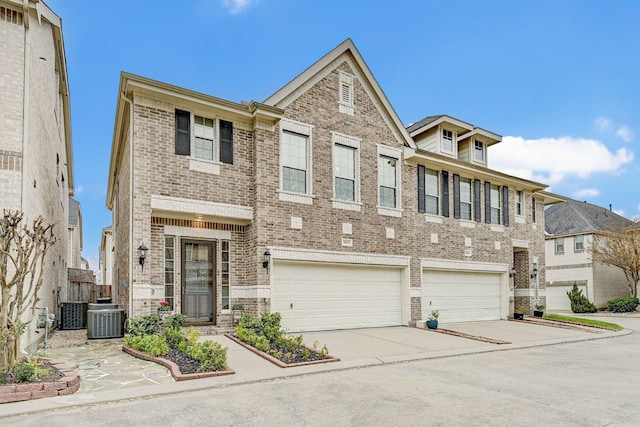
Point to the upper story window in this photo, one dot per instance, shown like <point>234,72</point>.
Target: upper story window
<point>478,152</point>
<point>346,102</point>
<point>519,202</point>
<point>578,243</point>
<point>533,210</point>
<point>344,166</point>
<point>466,203</point>
<point>203,130</point>
<point>447,141</point>
<point>294,162</point>
<point>559,245</point>
<point>432,191</point>
<point>496,204</point>
<point>205,143</point>
<point>387,177</point>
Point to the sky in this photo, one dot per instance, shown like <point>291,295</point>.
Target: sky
<point>559,80</point>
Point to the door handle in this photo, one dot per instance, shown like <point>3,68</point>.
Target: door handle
<point>291,306</point>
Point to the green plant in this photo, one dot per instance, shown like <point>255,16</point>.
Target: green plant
<point>434,315</point>
<point>191,336</point>
<point>237,307</point>
<point>588,322</point>
<point>24,372</point>
<point>540,307</point>
<point>579,302</point>
<point>211,354</point>
<point>154,345</point>
<point>173,337</point>
<point>522,310</point>
<point>174,321</point>
<point>164,306</point>
<point>143,325</point>
<point>623,304</point>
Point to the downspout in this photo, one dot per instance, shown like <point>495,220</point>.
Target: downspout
<point>130,288</point>
<point>25,107</point>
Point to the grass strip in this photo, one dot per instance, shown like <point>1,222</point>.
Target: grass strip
<point>583,321</point>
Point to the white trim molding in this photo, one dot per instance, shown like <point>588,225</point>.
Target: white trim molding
<point>298,254</point>
<point>192,208</point>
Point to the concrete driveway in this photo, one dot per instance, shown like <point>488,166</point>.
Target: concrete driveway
<point>121,377</point>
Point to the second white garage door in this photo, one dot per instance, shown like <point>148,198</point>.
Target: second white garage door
<point>321,296</point>
<point>461,296</point>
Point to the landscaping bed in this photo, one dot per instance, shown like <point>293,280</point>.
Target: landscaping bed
<point>37,378</point>
<point>264,337</point>
<point>165,342</point>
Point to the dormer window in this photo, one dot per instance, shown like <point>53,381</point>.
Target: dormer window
<point>478,152</point>
<point>447,141</point>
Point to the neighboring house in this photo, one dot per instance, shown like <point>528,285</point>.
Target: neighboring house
<point>36,173</point>
<point>570,228</point>
<point>317,203</point>
<point>106,259</point>
<point>75,234</point>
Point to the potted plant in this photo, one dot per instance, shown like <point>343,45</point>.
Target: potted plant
<point>236,312</point>
<point>539,311</point>
<point>519,313</point>
<point>164,309</point>
<point>432,322</point>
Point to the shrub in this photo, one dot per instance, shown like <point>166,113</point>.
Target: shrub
<point>173,337</point>
<point>623,304</point>
<point>143,325</point>
<point>212,355</point>
<point>24,372</point>
<point>154,345</point>
<point>191,336</point>
<point>174,321</point>
<point>579,302</point>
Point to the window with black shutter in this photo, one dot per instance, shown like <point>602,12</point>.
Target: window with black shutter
<point>226,142</point>
<point>476,200</point>
<point>456,196</point>
<point>183,134</point>
<point>422,206</point>
<point>445,193</point>
<point>487,202</point>
<point>505,205</point>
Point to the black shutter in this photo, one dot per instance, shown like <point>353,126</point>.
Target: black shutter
<point>422,205</point>
<point>226,142</point>
<point>505,205</point>
<point>445,193</point>
<point>183,134</point>
<point>476,200</point>
<point>487,202</point>
<point>456,196</point>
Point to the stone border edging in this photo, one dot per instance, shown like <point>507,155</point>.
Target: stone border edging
<point>566,324</point>
<point>173,368</point>
<point>68,384</point>
<point>278,362</point>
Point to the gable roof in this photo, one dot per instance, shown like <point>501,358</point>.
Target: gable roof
<point>283,96</point>
<point>574,217</point>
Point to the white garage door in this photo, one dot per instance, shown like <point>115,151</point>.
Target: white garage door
<point>321,296</point>
<point>557,298</point>
<point>461,296</point>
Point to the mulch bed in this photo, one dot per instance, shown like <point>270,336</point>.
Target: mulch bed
<point>181,366</point>
<point>288,359</point>
<point>54,374</point>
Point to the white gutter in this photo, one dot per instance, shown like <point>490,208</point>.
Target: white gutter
<point>130,274</point>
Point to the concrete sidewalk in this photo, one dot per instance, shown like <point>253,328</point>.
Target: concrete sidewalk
<point>108,374</point>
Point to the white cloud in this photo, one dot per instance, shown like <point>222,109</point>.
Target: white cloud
<point>238,6</point>
<point>79,189</point>
<point>551,160</point>
<point>585,193</point>
<point>625,133</point>
<point>603,123</point>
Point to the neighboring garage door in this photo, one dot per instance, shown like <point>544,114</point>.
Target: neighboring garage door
<point>461,296</point>
<point>557,298</point>
<point>322,296</point>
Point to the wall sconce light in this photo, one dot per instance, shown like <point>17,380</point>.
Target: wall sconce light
<point>267,259</point>
<point>143,254</point>
<point>534,272</point>
<point>513,272</point>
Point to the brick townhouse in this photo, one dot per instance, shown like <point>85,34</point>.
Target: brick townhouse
<point>317,203</point>
<point>36,169</point>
